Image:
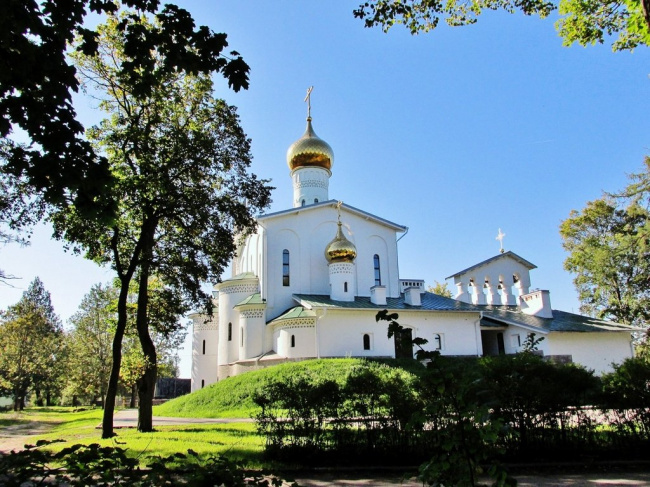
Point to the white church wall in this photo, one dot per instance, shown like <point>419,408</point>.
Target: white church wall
<point>341,333</point>
<point>492,273</point>
<point>514,338</point>
<point>595,350</point>
<point>205,342</point>
<point>295,341</point>
<point>306,232</point>
<point>231,293</point>
<point>278,297</point>
<point>459,333</point>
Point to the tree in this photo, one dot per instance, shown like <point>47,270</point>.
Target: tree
<point>441,289</point>
<point>179,160</point>
<point>31,346</point>
<point>89,341</point>
<point>609,252</point>
<point>583,21</point>
<point>37,80</point>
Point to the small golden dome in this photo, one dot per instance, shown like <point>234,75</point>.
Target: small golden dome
<point>310,151</point>
<point>340,249</point>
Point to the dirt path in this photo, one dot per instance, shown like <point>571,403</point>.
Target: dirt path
<point>15,437</point>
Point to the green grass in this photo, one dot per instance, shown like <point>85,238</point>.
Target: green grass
<point>236,440</point>
<point>232,397</point>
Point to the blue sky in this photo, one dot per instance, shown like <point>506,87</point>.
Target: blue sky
<point>455,133</point>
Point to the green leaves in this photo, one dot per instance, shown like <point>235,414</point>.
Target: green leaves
<point>583,21</point>
<point>609,254</point>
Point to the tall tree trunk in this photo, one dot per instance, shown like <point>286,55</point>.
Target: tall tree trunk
<point>39,399</point>
<point>147,383</point>
<point>134,392</point>
<point>111,391</point>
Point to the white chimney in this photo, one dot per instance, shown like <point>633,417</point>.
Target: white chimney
<point>412,296</point>
<point>536,303</point>
<point>378,295</point>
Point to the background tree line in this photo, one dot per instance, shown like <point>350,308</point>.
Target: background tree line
<point>47,364</point>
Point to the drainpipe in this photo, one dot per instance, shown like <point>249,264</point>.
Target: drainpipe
<point>479,341</point>
<point>320,313</point>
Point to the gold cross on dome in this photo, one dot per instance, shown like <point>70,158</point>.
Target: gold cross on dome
<point>500,236</point>
<point>338,209</point>
<point>308,100</point>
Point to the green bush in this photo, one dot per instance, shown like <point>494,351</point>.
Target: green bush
<point>81,465</point>
<point>627,394</point>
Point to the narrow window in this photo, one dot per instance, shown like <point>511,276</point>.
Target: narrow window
<point>203,347</point>
<point>345,287</point>
<point>377,270</point>
<point>285,267</point>
<point>202,383</point>
<point>293,341</point>
<point>315,200</point>
<point>229,332</point>
<point>241,336</point>
<point>302,203</point>
<point>437,341</point>
<point>366,342</point>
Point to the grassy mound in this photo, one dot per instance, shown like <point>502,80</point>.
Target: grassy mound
<point>232,397</point>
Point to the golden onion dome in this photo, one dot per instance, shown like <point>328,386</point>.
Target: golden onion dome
<point>340,249</point>
<point>310,151</point>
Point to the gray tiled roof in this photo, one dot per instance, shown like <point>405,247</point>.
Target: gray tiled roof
<point>561,321</point>
<point>430,302</point>
<point>493,316</point>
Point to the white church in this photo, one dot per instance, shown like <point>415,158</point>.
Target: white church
<point>311,279</point>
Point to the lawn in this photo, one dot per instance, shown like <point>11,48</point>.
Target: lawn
<point>238,441</point>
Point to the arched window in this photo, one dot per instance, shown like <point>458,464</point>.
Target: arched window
<point>345,287</point>
<point>293,341</point>
<point>302,203</point>
<point>437,341</point>
<point>203,347</point>
<point>315,200</point>
<point>377,270</point>
<point>229,332</point>
<point>285,267</point>
<point>202,383</point>
<point>366,342</point>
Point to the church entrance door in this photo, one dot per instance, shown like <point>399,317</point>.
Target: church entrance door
<point>404,344</point>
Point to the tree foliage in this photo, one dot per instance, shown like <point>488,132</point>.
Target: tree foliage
<point>583,21</point>
<point>37,81</point>
<point>89,341</point>
<point>441,289</point>
<point>609,252</point>
<point>32,348</point>
<point>179,161</point>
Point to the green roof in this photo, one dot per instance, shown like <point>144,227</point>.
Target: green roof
<point>242,276</point>
<point>293,313</point>
<point>252,299</point>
